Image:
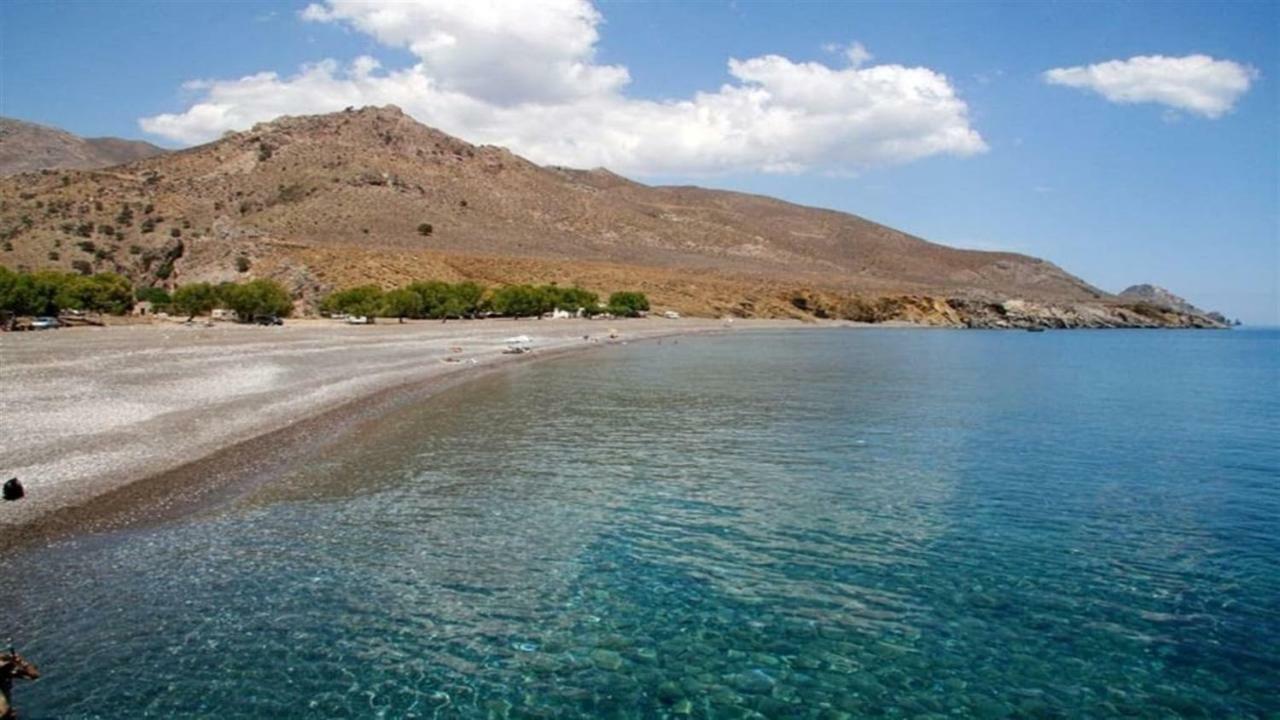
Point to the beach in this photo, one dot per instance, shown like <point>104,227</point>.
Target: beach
<point>195,409</point>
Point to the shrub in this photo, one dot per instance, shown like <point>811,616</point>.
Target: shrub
<point>425,229</point>
<point>87,246</point>
<point>628,304</point>
<point>54,255</point>
<point>106,230</point>
<point>175,233</point>
<point>243,264</point>
<point>81,266</point>
<point>148,225</point>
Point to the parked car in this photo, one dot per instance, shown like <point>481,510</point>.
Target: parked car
<point>267,320</point>
<point>45,323</point>
<point>358,320</point>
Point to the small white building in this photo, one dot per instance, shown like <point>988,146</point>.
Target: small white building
<point>142,308</point>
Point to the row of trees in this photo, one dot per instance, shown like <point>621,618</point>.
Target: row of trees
<point>48,292</point>
<point>248,299</point>
<point>442,300</point>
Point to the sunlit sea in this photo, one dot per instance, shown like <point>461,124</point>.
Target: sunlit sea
<point>809,524</point>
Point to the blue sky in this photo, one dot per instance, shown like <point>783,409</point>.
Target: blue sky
<point>1179,195</point>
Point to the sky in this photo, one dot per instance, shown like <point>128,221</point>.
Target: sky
<point>1126,142</point>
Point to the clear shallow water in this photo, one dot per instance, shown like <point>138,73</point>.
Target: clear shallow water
<point>808,524</point>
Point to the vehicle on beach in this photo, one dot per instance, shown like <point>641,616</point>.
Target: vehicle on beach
<point>45,323</point>
<point>518,345</point>
<point>267,320</point>
<point>359,320</point>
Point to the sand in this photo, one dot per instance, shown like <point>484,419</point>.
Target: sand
<point>88,414</point>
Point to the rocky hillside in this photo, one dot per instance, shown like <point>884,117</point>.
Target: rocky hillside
<point>27,147</point>
<point>371,195</point>
<point>1160,297</point>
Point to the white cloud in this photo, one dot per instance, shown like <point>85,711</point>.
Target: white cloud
<point>507,74</point>
<point>1195,83</point>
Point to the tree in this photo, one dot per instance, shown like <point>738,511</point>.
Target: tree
<point>104,292</point>
<point>361,300</point>
<point>48,292</point>
<point>628,304</point>
<point>259,297</point>
<point>521,301</point>
<point>468,296</point>
<point>425,229</point>
<point>437,298</point>
<point>195,299</point>
<point>574,299</point>
<point>401,303</point>
<point>154,295</point>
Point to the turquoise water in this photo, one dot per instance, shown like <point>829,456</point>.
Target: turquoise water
<point>813,524</point>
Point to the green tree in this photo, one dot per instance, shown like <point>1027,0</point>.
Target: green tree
<point>520,301</point>
<point>360,300</point>
<point>154,295</point>
<point>195,299</point>
<point>469,296</point>
<point>401,303</point>
<point>24,294</point>
<point>574,299</point>
<point>628,304</point>
<point>104,292</point>
<point>259,297</point>
<point>437,298</point>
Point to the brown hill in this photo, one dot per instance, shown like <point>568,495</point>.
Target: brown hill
<point>331,200</point>
<point>27,147</point>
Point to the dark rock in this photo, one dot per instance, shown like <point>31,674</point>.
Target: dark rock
<point>13,489</point>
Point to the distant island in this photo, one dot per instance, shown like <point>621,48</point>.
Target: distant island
<point>326,203</point>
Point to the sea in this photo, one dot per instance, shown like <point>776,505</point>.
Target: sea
<point>827,523</point>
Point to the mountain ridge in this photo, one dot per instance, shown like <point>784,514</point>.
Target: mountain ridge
<point>371,195</point>
<point>27,147</point>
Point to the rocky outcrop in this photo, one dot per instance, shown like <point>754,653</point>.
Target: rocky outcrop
<point>1160,297</point>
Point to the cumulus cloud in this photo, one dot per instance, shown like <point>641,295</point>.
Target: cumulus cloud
<point>502,73</point>
<point>1196,83</point>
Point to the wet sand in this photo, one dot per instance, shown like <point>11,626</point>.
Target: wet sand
<point>112,426</point>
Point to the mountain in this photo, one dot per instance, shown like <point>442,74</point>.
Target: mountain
<point>1157,295</point>
<point>370,195</point>
<point>26,147</point>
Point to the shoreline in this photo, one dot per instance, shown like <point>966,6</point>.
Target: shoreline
<point>127,479</point>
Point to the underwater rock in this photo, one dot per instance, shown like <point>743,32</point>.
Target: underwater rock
<point>754,681</point>
<point>606,659</point>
